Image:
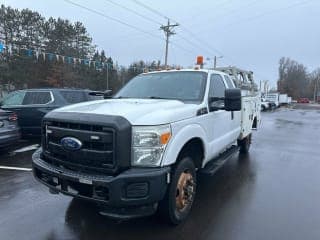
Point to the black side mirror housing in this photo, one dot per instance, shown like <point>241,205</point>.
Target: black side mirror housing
<point>232,100</point>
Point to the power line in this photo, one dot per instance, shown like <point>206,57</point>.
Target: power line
<point>194,36</point>
<point>133,11</point>
<point>150,9</point>
<point>150,19</point>
<point>182,48</point>
<point>195,44</point>
<point>121,22</point>
<point>270,12</point>
<point>236,10</point>
<point>113,19</point>
<point>182,26</point>
<point>209,10</point>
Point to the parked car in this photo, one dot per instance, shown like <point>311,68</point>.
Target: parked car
<point>303,100</point>
<point>9,130</point>
<point>31,105</point>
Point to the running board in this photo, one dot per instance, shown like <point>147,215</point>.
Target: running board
<point>212,166</point>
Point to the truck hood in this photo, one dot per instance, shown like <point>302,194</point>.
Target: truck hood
<point>137,111</point>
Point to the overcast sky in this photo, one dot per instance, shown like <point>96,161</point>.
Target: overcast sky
<point>252,34</point>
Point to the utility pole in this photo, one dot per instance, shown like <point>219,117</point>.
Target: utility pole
<point>215,61</point>
<point>168,31</point>
<point>107,76</point>
<point>266,86</point>
<point>315,92</point>
<point>260,86</point>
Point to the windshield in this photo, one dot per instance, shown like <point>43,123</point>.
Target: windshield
<point>183,85</point>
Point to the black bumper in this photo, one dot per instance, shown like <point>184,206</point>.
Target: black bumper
<point>132,193</point>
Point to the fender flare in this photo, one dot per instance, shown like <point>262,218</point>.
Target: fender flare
<point>178,141</point>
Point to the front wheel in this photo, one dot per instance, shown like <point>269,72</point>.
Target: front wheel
<point>176,205</point>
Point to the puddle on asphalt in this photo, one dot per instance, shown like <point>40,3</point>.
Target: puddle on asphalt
<point>282,122</point>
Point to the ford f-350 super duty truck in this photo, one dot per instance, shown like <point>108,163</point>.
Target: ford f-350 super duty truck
<point>141,150</point>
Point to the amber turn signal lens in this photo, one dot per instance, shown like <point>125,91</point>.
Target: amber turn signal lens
<point>164,138</point>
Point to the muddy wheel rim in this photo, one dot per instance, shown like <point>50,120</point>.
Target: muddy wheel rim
<point>185,191</point>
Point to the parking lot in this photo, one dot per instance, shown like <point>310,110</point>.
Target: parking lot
<point>272,193</point>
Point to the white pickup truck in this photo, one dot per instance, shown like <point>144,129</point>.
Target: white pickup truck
<point>141,150</point>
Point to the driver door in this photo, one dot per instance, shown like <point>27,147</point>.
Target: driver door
<point>220,121</point>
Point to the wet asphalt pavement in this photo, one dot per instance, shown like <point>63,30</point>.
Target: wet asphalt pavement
<point>272,193</point>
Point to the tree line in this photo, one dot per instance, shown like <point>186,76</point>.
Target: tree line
<point>51,52</point>
<point>296,80</point>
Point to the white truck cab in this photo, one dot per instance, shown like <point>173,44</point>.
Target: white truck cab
<point>265,105</point>
<point>141,150</point>
<point>273,98</point>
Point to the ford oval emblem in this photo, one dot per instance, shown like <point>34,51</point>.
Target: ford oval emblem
<point>71,143</point>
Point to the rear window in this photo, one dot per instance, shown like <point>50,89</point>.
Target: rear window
<point>14,98</point>
<point>35,97</point>
<point>73,96</point>
<point>229,82</point>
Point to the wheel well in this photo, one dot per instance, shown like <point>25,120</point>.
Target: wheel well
<point>255,123</point>
<point>195,149</point>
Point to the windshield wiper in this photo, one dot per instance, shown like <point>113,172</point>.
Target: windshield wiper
<point>156,97</point>
<point>121,97</point>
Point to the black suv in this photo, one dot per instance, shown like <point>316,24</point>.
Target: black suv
<point>9,130</point>
<point>32,104</point>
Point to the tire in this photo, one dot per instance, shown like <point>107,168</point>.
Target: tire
<point>176,205</point>
<point>263,108</point>
<point>244,144</point>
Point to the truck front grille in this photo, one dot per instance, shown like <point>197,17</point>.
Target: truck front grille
<point>97,153</point>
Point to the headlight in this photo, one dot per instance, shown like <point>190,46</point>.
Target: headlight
<point>148,144</point>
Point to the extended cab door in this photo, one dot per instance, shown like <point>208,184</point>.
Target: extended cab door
<point>223,125</point>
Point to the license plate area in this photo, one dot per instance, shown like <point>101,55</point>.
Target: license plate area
<point>81,187</point>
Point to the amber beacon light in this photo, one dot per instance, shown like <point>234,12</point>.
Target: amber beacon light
<point>199,60</point>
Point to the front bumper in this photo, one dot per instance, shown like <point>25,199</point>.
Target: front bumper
<point>132,193</point>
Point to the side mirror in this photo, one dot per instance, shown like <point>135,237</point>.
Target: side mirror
<point>107,94</point>
<point>232,100</point>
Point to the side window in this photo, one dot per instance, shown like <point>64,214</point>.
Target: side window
<point>229,81</point>
<point>36,98</point>
<point>14,98</point>
<point>217,89</point>
<point>73,96</point>
<point>217,86</point>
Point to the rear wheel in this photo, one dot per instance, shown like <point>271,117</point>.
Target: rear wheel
<point>244,144</point>
<point>176,205</point>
